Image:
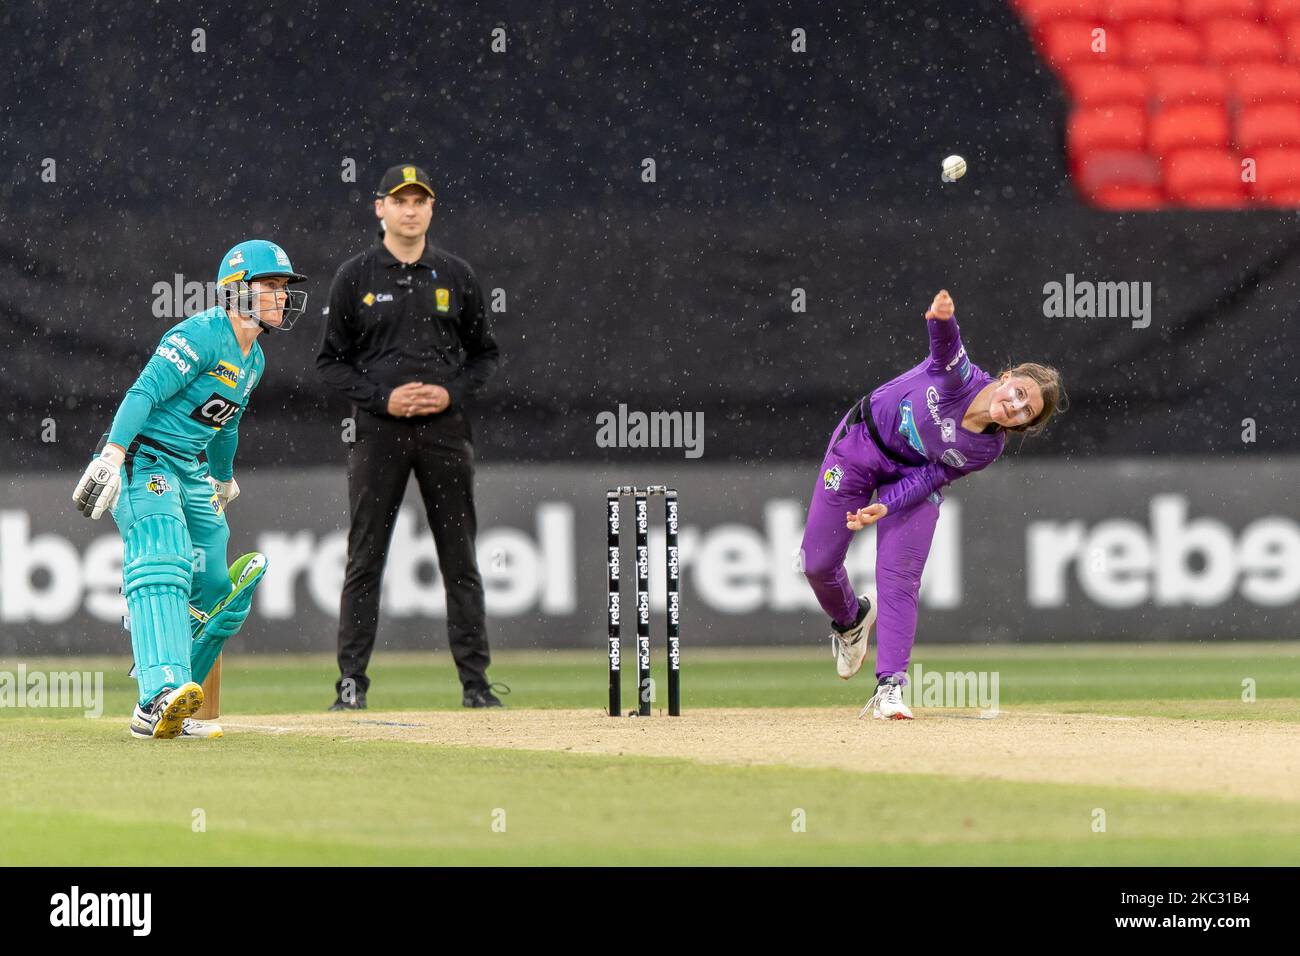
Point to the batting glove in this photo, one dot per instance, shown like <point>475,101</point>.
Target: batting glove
<point>226,491</point>
<point>100,484</point>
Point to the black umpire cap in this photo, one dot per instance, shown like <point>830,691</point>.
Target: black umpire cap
<point>403,175</point>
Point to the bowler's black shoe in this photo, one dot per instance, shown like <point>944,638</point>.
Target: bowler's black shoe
<point>483,696</point>
<point>357,703</point>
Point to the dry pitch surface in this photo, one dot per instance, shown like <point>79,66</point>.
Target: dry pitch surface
<point>1218,757</point>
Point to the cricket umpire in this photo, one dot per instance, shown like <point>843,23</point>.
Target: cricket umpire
<point>406,339</point>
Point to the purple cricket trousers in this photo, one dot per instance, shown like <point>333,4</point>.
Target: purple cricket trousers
<point>852,470</point>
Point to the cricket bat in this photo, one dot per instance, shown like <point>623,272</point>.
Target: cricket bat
<point>211,708</point>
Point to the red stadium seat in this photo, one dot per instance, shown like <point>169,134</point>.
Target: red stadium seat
<point>1121,11</point>
<point>1281,11</point>
<point>1240,41</point>
<point>1102,85</point>
<point>1291,42</point>
<point>1118,127</point>
<point>1176,84</point>
<point>1277,178</point>
<point>1103,168</point>
<point>1160,42</point>
<point>1187,127</point>
<point>1198,11</point>
<point>1204,178</point>
<point>1068,42</point>
<point>1120,198</point>
<point>1258,83</point>
<point>1271,125</point>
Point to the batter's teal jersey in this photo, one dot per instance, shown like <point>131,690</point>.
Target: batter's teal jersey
<point>193,392</point>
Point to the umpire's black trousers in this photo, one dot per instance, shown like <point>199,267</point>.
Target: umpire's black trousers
<point>439,448</point>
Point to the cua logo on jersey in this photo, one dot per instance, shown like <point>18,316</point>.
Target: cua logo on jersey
<point>158,485</point>
<point>834,475</point>
<point>228,374</point>
<point>216,412</point>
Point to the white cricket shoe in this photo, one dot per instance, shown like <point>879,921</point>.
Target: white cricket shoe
<point>192,729</point>
<point>163,717</point>
<point>850,647</point>
<point>887,702</point>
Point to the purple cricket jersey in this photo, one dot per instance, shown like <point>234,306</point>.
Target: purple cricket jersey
<point>918,417</point>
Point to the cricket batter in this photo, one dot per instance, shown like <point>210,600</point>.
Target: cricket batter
<point>935,423</point>
<point>183,600</point>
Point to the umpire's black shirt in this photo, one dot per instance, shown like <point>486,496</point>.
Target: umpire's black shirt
<point>389,323</point>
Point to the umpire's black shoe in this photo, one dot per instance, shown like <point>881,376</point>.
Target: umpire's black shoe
<point>483,696</point>
<point>357,703</point>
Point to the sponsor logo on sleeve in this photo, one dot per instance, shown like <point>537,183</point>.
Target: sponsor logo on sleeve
<point>954,458</point>
<point>183,344</point>
<point>173,355</point>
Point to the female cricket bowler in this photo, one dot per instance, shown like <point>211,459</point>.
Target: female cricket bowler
<point>183,601</point>
<point>941,420</point>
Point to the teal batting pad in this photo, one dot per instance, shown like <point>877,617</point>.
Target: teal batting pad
<point>156,576</point>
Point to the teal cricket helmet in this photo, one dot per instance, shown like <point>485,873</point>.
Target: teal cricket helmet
<point>259,259</point>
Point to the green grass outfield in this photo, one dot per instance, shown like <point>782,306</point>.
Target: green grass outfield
<point>79,791</point>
